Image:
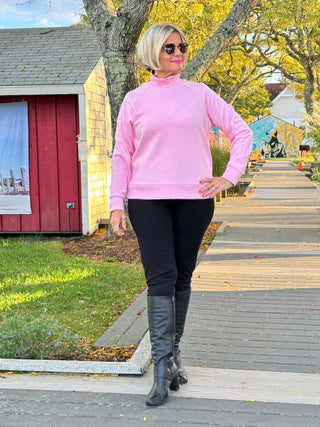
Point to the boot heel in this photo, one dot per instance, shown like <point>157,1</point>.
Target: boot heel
<point>175,384</point>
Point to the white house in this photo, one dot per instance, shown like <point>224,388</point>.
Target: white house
<point>287,107</point>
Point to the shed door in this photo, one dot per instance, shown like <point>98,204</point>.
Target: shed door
<point>54,168</point>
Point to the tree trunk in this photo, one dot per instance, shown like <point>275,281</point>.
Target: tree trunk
<point>121,73</point>
<point>310,87</point>
<point>118,32</point>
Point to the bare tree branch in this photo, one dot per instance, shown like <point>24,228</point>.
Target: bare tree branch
<point>218,42</point>
<point>278,66</point>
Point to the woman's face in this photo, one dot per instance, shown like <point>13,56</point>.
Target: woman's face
<point>171,64</point>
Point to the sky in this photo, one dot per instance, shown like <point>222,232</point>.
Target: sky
<point>39,13</point>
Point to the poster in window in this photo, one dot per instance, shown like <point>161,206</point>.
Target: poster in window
<point>14,159</point>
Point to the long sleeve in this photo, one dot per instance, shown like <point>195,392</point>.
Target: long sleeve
<point>122,156</point>
<point>225,118</point>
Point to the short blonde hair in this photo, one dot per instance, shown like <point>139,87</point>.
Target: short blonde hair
<point>151,43</point>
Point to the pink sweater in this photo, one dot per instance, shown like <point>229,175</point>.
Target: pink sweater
<point>162,149</point>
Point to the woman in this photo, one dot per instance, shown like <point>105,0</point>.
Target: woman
<point>162,164</point>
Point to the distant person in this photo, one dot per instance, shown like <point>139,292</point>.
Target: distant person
<point>162,164</point>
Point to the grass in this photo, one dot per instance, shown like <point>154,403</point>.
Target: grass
<point>84,296</point>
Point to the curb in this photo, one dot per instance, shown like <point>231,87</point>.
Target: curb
<point>249,188</point>
<point>130,327</point>
<point>222,229</point>
<point>136,366</point>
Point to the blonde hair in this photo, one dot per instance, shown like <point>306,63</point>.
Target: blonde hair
<point>151,43</point>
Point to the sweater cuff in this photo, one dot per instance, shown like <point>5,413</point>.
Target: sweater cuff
<point>116,203</point>
<point>232,174</point>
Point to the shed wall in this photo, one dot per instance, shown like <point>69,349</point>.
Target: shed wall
<point>53,166</point>
<point>99,145</point>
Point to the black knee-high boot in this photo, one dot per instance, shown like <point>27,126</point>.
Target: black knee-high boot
<point>182,303</point>
<point>161,316</point>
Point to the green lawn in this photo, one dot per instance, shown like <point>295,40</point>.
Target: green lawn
<point>37,279</point>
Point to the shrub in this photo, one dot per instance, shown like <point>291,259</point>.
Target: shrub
<point>37,338</point>
<point>315,175</point>
<point>314,125</point>
<point>307,157</point>
<point>256,156</point>
<point>220,155</point>
<point>220,158</point>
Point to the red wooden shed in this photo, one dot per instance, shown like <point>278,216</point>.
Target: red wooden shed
<point>59,73</point>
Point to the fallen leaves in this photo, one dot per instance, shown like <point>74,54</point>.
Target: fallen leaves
<point>228,283</point>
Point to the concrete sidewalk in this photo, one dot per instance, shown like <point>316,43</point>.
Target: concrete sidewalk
<point>252,339</point>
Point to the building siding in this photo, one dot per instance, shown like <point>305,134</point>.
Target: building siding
<point>287,107</point>
<point>53,166</point>
<point>99,144</point>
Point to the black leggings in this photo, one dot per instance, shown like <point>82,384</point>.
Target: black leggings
<point>169,234</point>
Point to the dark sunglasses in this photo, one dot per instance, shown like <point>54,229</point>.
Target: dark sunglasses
<point>170,47</point>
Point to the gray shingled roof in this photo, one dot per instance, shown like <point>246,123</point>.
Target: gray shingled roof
<point>47,56</point>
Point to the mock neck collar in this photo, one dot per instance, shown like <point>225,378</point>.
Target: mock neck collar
<point>166,82</point>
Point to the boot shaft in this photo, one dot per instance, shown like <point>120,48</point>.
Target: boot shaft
<point>161,317</point>
<point>181,308</point>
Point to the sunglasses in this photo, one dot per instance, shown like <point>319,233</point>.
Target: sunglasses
<point>170,47</point>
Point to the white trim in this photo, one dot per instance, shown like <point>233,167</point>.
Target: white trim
<point>82,122</point>
<point>276,118</point>
<point>285,93</point>
<point>42,90</point>
<point>83,158</point>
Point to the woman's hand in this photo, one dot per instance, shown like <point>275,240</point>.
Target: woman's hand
<point>118,222</point>
<point>214,185</point>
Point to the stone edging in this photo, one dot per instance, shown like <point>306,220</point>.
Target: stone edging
<point>136,366</point>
